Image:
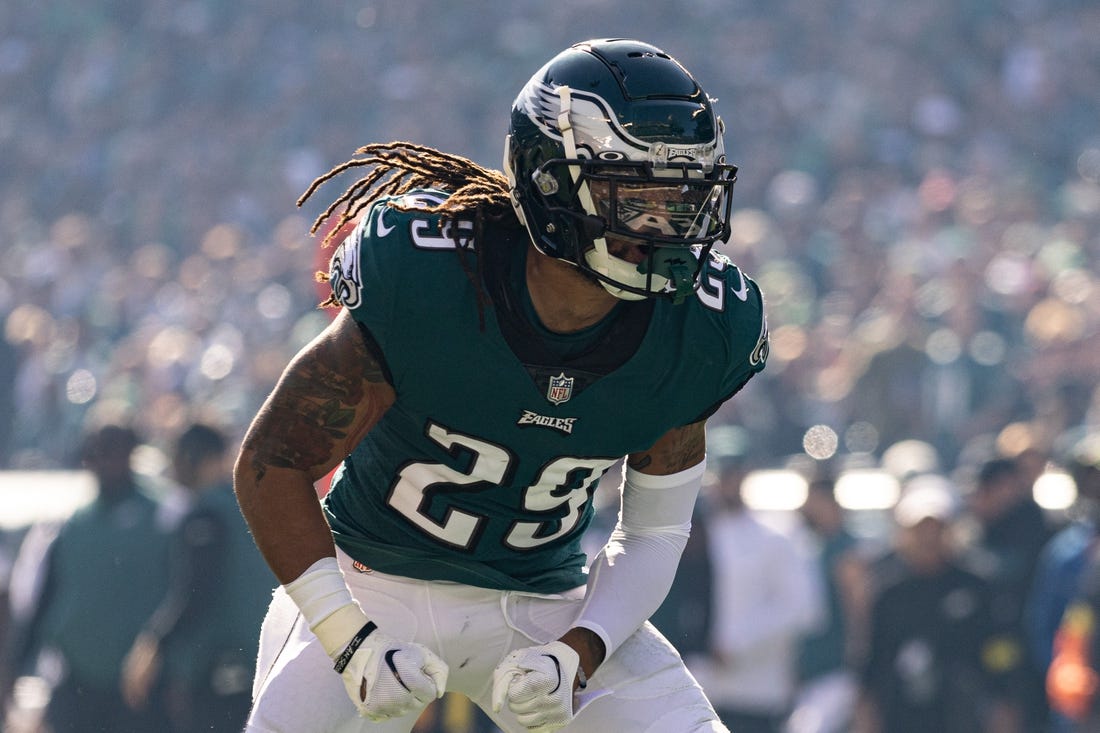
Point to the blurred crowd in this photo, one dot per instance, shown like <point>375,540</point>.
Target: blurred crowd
<point>965,607</point>
<point>919,198</point>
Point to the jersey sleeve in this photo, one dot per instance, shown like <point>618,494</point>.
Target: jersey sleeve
<point>752,322</point>
<point>737,309</point>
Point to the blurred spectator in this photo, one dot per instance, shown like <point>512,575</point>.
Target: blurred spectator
<point>686,614</point>
<point>827,684</point>
<point>892,394</point>
<point>1012,533</point>
<point>195,657</point>
<point>1058,574</point>
<point>930,624</point>
<point>30,551</point>
<point>1073,679</point>
<point>9,362</point>
<point>684,617</point>
<point>102,577</point>
<point>764,599</point>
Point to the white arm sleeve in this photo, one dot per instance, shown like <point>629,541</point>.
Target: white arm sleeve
<point>631,576</point>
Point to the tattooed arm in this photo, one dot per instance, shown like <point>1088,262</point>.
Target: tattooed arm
<point>676,450</point>
<point>327,399</point>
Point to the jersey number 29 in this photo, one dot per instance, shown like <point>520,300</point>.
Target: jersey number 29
<point>564,482</point>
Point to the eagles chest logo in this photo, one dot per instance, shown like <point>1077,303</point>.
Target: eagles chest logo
<point>560,389</point>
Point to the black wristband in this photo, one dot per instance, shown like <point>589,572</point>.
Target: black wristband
<point>349,650</point>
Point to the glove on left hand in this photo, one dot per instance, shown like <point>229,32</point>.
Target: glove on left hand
<point>537,683</point>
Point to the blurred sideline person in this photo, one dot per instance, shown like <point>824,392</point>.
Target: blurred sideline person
<point>686,615</point>
<point>764,600</point>
<point>198,649</point>
<point>1073,678</point>
<point>1062,562</point>
<point>102,577</point>
<point>1012,533</point>
<point>926,668</point>
<point>827,654</point>
<point>503,340</point>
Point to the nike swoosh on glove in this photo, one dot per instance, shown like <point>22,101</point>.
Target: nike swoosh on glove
<point>387,678</point>
<point>537,683</point>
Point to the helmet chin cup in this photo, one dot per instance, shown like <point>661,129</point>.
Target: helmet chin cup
<point>675,266</point>
<point>623,279</point>
<point>668,271</point>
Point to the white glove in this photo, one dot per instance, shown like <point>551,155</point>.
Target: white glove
<point>537,682</point>
<point>388,678</point>
<point>384,677</point>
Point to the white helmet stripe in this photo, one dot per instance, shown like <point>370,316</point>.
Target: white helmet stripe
<point>565,125</point>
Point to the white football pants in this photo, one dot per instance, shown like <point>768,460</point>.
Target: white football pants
<point>643,687</point>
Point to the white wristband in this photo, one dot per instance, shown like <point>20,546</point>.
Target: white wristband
<point>327,605</point>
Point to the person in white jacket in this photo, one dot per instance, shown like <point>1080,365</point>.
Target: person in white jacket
<point>765,597</point>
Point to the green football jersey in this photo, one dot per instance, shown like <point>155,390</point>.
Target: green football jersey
<point>483,470</point>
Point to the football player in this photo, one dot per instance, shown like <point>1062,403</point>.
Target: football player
<point>503,340</point>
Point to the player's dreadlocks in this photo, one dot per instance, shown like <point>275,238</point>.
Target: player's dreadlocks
<point>395,168</point>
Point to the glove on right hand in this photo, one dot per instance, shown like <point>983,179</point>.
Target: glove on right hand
<point>388,678</point>
<point>384,677</point>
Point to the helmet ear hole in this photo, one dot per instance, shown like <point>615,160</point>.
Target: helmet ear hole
<point>546,183</point>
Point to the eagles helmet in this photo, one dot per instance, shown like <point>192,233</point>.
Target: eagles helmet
<point>614,140</point>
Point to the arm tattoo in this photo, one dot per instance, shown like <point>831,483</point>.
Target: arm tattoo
<point>325,402</point>
<point>678,449</point>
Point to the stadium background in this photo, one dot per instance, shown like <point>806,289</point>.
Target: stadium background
<point>919,198</point>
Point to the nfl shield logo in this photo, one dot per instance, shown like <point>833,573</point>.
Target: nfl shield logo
<point>561,389</point>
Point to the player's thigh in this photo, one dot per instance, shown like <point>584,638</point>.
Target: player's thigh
<point>274,632</point>
<point>464,625</point>
<point>651,691</point>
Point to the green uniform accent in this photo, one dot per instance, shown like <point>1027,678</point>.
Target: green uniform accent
<point>825,650</point>
<point>107,574</point>
<point>222,632</point>
<point>483,469</point>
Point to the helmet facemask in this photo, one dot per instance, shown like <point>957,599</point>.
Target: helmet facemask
<point>645,231</point>
<point>633,188</point>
